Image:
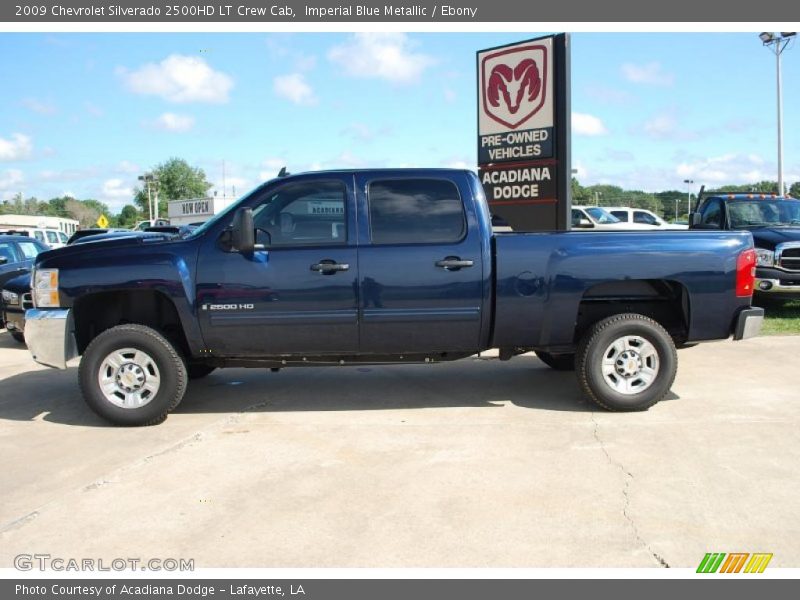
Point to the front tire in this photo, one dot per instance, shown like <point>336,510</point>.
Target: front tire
<point>131,375</point>
<point>626,362</point>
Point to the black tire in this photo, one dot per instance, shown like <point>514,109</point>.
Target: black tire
<point>598,340</point>
<point>559,362</point>
<point>170,365</point>
<point>20,337</point>
<point>198,370</point>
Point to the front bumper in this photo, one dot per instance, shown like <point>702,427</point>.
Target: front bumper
<point>778,287</point>
<point>14,319</point>
<point>748,323</point>
<point>50,336</point>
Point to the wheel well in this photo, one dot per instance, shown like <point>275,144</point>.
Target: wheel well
<point>664,301</point>
<point>94,313</point>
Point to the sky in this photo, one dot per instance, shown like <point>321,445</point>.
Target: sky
<point>84,114</point>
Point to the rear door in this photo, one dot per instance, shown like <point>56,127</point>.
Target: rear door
<point>420,265</point>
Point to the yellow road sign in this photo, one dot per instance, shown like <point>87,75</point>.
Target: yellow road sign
<point>102,221</point>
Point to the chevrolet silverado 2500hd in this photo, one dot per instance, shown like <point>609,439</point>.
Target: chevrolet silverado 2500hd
<point>381,266</point>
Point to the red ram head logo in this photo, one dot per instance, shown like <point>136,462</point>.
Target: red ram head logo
<point>514,84</point>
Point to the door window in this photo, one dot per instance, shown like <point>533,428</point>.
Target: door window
<point>712,214</point>
<point>52,237</point>
<point>30,249</point>
<point>622,215</point>
<point>7,252</point>
<point>644,218</point>
<point>312,213</point>
<point>415,211</point>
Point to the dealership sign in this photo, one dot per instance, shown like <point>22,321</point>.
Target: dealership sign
<point>523,131</point>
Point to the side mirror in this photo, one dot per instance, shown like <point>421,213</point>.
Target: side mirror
<point>3,260</point>
<point>584,223</point>
<point>243,232</point>
<point>694,219</point>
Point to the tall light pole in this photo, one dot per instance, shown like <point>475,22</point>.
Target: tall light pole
<point>777,42</point>
<point>688,183</point>
<point>151,178</point>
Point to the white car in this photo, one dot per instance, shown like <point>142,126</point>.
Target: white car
<point>597,218</point>
<point>642,217</point>
<point>52,238</point>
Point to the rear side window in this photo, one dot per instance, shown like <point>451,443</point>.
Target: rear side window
<point>30,249</point>
<point>52,237</point>
<point>622,215</point>
<point>39,236</point>
<point>415,211</point>
<point>7,252</point>
<point>644,218</point>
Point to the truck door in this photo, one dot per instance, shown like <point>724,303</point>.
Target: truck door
<point>420,266</point>
<point>299,295</point>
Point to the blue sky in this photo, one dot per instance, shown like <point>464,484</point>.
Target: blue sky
<point>84,114</point>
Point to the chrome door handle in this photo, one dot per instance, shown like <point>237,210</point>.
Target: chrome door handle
<point>453,263</point>
<point>329,267</point>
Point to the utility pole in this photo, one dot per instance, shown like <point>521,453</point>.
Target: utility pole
<point>777,42</point>
<point>688,183</point>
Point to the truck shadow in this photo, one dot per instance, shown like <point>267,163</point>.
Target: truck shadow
<point>54,396</point>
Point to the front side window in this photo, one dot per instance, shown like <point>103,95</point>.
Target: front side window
<point>712,214</point>
<point>622,215</point>
<point>602,216</point>
<point>415,211</point>
<point>7,252</point>
<point>52,237</point>
<point>312,213</point>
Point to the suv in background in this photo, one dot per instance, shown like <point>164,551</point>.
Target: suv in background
<point>597,218</point>
<point>52,238</point>
<point>774,222</point>
<point>642,217</point>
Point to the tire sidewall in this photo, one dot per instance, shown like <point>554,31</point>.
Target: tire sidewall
<point>158,348</point>
<point>593,358</point>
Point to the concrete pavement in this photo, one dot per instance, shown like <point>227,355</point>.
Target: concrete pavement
<point>468,464</point>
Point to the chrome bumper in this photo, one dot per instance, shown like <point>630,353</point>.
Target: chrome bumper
<point>774,286</point>
<point>748,323</point>
<point>50,336</point>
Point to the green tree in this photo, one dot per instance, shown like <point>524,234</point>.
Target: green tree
<point>177,180</point>
<point>128,217</point>
<point>794,190</point>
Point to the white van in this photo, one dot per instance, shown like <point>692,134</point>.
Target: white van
<point>52,238</point>
<point>642,217</point>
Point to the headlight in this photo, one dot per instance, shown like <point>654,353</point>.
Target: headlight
<point>10,297</point>
<point>45,288</point>
<point>765,258</point>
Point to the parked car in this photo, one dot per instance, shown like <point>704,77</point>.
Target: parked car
<point>774,222</point>
<point>642,217</point>
<point>16,297</point>
<point>598,218</point>
<point>381,266</point>
<point>52,238</point>
<point>17,253</point>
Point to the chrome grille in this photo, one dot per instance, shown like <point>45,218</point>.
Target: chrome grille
<point>27,301</point>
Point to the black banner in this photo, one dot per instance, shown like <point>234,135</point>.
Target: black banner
<point>49,11</point>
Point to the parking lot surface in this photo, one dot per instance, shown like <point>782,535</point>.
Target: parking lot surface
<point>468,464</point>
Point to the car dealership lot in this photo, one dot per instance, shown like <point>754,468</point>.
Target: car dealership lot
<point>452,465</point>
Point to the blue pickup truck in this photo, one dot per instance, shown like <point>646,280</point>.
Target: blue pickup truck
<point>381,266</point>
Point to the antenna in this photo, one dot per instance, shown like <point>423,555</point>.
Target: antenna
<point>282,172</point>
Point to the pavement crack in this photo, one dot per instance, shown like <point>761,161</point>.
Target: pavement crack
<point>628,479</point>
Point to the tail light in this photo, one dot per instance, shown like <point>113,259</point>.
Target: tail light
<point>745,273</point>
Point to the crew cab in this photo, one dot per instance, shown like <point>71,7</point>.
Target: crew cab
<point>774,222</point>
<point>381,266</point>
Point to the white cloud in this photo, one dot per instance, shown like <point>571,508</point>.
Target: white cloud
<point>295,88</point>
<point>115,189</point>
<point>649,74</point>
<point>726,169</point>
<point>180,79</point>
<point>17,147</point>
<point>127,167</point>
<point>39,107</point>
<point>361,132</point>
<point>11,181</point>
<point>388,56</point>
<point>174,122</point>
<point>585,124</point>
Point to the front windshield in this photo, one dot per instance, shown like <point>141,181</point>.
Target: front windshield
<point>602,216</point>
<point>763,213</point>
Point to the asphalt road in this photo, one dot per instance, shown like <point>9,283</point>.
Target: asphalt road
<point>469,464</point>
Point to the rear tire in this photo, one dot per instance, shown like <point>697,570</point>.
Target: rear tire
<point>626,362</point>
<point>559,362</point>
<point>131,375</point>
<point>20,337</point>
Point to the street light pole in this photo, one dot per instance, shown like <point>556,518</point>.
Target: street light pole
<point>688,183</point>
<point>777,42</point>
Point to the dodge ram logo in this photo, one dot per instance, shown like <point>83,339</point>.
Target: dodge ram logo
<point>514,84</point>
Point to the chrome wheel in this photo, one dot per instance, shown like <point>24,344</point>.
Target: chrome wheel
<point>630,365</point>
<point>129,378</point>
